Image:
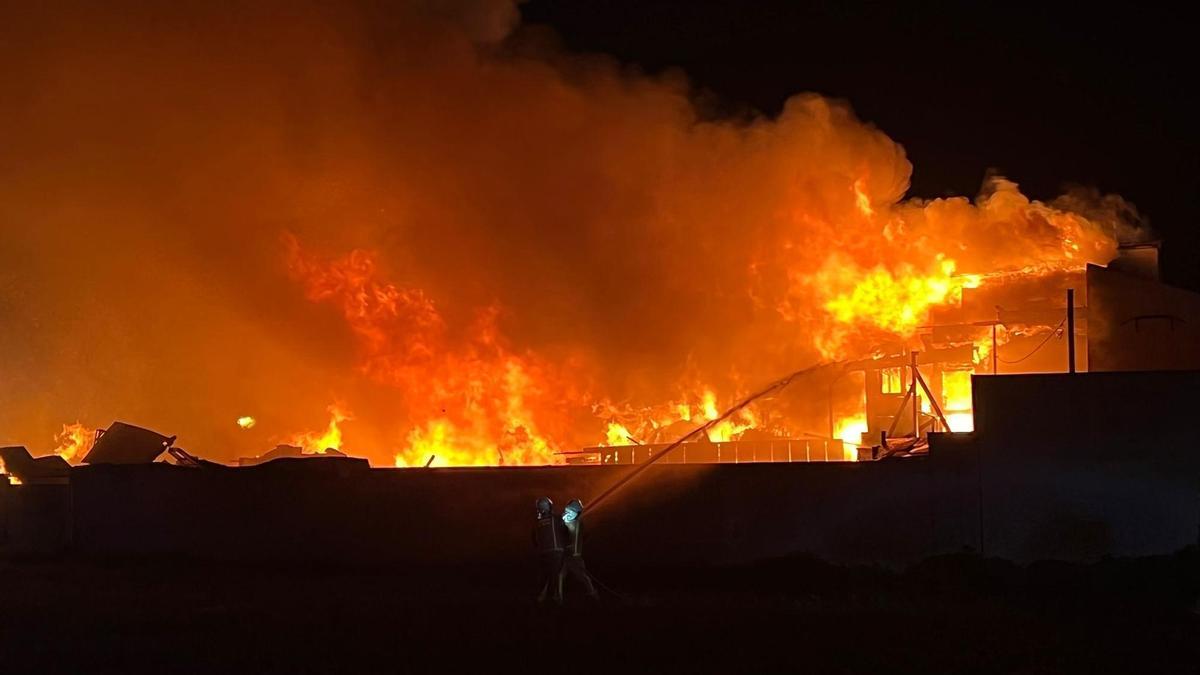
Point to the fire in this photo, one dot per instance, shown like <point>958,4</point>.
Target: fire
<point>667,422</point>
<point>956,400</point>
<point>246,422</point>
<point>617,435</point>
<point>12,480</point>
<point>487,284</point>
<point>850,430</point>
<point>74,441</point>
<point>897,262</point>
<point>493,405</point>
<point>889,300</point>
<point>727,429</point>
<point>709,405</point>
<point>317,442</point>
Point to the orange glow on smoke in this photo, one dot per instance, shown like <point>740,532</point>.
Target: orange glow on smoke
<point>489,259</point>
<point>861,200</point>
<point>471,398</point>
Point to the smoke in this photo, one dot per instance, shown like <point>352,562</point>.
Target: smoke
<point>153,158</point>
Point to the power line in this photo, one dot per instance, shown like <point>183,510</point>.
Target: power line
<point>1035,349</point>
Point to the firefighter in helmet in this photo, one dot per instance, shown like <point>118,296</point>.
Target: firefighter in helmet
<point>550,539</point>
<point>572,564</point>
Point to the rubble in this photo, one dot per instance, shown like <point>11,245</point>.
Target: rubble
<point>282,451</point>
<point>124,443</point>
<point>17,462</point>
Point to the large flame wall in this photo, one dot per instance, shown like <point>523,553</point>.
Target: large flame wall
<point>463,241</point>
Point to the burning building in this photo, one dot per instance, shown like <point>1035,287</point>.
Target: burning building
<point>539,253</point>
<point>468,248</point>
<point>1098,318</point>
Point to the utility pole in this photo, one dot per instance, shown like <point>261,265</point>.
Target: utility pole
<point>1071,330</point>
<point>994,345</point>
<point>916,399</point>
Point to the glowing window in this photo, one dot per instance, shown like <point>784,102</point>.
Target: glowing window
<point>956,390</point>
<point>956,400</point>
<point>891,380</point>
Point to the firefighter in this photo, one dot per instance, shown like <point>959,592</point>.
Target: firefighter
<point>572,564</point>
<point>550,540</point>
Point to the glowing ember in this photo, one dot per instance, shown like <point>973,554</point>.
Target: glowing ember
<point>74,441</point>
<point>246,422</point>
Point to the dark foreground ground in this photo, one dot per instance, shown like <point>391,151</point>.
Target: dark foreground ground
<point>949,615</point>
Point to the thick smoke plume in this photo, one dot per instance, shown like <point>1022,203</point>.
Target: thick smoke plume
<point>438,220</point>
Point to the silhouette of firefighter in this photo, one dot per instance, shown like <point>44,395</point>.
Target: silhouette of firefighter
<point>572,563</point>
<point>550,539</point>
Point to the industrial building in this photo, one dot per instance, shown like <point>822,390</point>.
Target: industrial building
<point>1098,319</point>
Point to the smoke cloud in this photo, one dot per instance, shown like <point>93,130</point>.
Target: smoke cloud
<point>177,181</point>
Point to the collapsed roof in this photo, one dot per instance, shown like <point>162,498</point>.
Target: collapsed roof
<point>26,468</point>
<point>124,443</point>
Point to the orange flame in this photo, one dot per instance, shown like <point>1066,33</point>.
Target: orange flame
<point>471,399</point>
<point>12,480</point>
<point>617,435</point>
<point>493,404</point>
<point>849,431</point>
<point>956,400</point>
<point>317,442</point>
<point>594,203</point>
<point>74,441</point>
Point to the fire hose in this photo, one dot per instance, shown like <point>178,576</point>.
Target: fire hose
<point>775,386</point>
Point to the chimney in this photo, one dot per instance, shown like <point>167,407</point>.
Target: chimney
<point>1140,259</point>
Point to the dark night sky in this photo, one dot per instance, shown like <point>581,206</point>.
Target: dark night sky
<point>1049,96</point>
